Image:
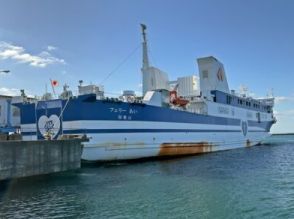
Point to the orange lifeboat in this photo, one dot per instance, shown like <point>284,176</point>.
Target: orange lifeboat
<point>178,101</point>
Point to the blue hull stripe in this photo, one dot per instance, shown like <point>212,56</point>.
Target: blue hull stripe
<point>77,109</point>
<point>265,125</point>
<point>87,108</point>
<point>105,131</point>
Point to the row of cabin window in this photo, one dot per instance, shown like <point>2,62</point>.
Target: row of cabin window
<point>243,102</point>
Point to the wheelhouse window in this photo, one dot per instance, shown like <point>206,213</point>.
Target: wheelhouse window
<point>229,99</point>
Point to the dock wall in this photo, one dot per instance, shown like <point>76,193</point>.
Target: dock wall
<point>28,158</point>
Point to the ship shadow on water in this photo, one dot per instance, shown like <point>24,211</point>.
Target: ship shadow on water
<point>117,163</point>
<point>3,187</point>
<point>15,187</point>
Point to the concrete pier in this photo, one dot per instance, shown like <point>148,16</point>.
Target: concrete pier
<point>28,158</point>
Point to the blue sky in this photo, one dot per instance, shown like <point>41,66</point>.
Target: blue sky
<point>70,40</point>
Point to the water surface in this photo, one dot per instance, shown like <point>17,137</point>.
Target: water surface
<point>256,182</point>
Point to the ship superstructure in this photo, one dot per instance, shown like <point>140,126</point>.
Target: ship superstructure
<point>193,114</point>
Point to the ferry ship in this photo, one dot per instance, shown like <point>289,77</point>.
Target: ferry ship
<point>191,115</point>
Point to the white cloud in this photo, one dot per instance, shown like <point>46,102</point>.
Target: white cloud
<point>283,99</point>
<point>51,48</point>
<point>284,113</point>
<point>285,121</point>
<point>18,53</point>
<point>9,91</point>
<point>13,92</point>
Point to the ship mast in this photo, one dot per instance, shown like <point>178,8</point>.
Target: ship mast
<point>145,50</point>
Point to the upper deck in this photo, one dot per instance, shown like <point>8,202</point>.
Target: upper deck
<point>242,102</point>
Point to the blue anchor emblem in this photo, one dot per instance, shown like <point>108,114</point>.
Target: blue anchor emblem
<point>244,128</point>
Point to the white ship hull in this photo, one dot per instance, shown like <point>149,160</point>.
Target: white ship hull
<point>176,142</point>
<point>164,144</point>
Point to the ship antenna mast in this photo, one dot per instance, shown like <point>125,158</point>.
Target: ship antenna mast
<point>145,50</point>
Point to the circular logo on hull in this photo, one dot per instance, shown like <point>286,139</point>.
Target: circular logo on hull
<point>244,127</point>
<point>49,125</point>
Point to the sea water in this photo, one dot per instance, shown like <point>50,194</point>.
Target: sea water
<point>255,182</point>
